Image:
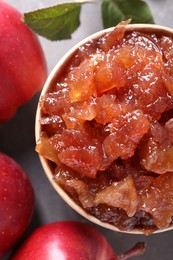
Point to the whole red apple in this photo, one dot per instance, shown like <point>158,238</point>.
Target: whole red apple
<point>16,202</point>
<point>69,240</point>
<point>23,67</point>
<point>65,240</point>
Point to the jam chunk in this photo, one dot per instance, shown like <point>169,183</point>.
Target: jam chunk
<point>81,151</point>
<point>156,152</point>
<point>122,195</point>
<point>126,132</point>
<point>157,200</point>
<point>80,81</point>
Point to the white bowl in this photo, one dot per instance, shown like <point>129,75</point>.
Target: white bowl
<point>57,69</point>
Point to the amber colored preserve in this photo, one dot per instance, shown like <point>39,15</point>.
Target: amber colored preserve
<point>107,127</point>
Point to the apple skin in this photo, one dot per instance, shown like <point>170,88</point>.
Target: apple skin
<point>16,203</point>
<point>65,240</point>
<point>23,68</point>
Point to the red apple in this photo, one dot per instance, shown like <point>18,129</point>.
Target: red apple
<point>16,203</point>
<point>23,67</point>
<point>69,240</point>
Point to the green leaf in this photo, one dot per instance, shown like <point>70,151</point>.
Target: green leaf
<point>56,22</point>
<point>115,11</point>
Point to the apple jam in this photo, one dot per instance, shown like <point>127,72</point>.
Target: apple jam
<point>107,127</point>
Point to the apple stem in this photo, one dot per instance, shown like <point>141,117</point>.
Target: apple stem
<point>137,250</point>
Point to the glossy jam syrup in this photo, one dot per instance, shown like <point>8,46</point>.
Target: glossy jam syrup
<point>107,126</point>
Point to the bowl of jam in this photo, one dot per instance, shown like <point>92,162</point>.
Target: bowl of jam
<point>104,128</point>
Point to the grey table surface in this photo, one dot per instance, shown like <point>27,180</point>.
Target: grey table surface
<point>18,135</point>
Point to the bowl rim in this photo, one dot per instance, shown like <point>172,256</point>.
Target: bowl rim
<point>45,162</point>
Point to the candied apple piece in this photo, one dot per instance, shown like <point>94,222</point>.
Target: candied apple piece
<point>130,57</point>
<point>168,82</point>
<point>85,110</point>
<point>85,161</point>
<point>157,200</point>
<point>52,124</point>
<point>56,102</point>
<point>143,182</point>
<point>126,132</point>
<point>46,148</point>
<point>84,52</point>
<point>79,190</point>
<point>86,197</point>
<point>156,152</point>
<point>152,97</point>
<point>80,151</point>
<point>113,38</point>
<point>157,157</point>
<point>80,112</point>
<point>147,41</point>
<point>81,81</point>
<point>166,45</point>
<point>169,127</point>
<point>120,194</point>
<point>108,71</point>
<point>72,122</point>
<point>107,109</point>
<point>148,87</point>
